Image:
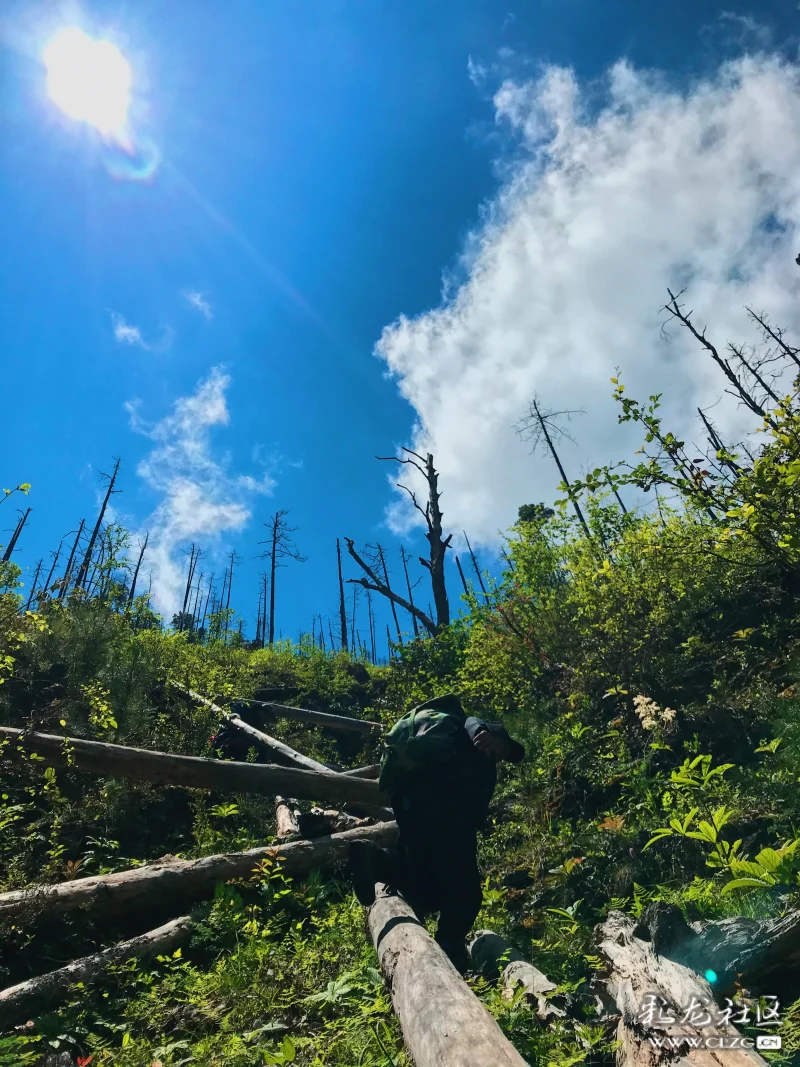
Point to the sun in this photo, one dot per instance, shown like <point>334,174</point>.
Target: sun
<point>89,79</point>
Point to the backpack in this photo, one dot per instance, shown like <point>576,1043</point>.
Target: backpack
<point>426,736</point>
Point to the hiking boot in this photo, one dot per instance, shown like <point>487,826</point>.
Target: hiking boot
<point>361,863</point>
<point>456,951</point>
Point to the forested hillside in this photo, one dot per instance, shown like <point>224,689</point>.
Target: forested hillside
<point>642,643</point>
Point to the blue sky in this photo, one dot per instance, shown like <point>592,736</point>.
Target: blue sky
<point>319,169</point>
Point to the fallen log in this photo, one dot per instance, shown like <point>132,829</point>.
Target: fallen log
<point>284,711</point>
<point>372,771</point>
<point>751,950</point>
<point>287,827</point>
<point>38,995</point>
<point>186,879</point>
<point>291,756</point>
<point>192,772</point>
<point>652,994</point>
<point>492,955</point>
<point>443,1022</point>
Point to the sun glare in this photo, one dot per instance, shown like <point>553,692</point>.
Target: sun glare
<point>89,79</point>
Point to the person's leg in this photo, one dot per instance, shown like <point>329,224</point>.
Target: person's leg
<point>459,895</point>
<point>370,864</point>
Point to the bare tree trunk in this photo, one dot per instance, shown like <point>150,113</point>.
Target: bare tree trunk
<point>154,883</point>
<point>353,623</point>
<point>461,576</point>
<point>342,612</point>
<point>33,584</point>
<point>54,565</point>
<point>443,1022</point>
<point>475,563</point>
<point>132,590</point>
<point>83,571</point>
<point>570,491</point>
<point>230,585</point>
<point>371,626</point>
<point>12,544</point>
<point>38,995</point>
<point>144,765</point>
<point>68,571</point>
<point>373,582</point>
<point>385,569</point>
<point>405,560</point>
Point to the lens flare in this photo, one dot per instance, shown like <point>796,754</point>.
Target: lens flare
<point>89,79</point>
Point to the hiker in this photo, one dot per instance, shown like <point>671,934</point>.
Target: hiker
<point>440,770</point>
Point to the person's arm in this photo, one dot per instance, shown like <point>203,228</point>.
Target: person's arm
<point>492,739</point>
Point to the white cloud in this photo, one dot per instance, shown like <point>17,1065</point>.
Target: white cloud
<point>201,499</point>
<point>605,207</point>
<point>199,303</point>
<point>127,334</point>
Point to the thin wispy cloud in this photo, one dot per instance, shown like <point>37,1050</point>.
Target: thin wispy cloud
<point>606,204</point>
<point>199,303</point>
<point>201,498</point>
<point>125,333</point>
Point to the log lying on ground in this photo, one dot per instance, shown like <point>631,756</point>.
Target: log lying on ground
<point>372,771</point>
<point>443,1022</point>
<point>492,955</point>
<point>186,879</point>
<point>37,995</point>
<point>291,756</point>
<point>190,771</point>
<point>749,949</point>
<point>287,827</point>
<point>636,972</point>
<point>284,711</point>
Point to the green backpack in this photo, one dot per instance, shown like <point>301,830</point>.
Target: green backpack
<point>426,735</point>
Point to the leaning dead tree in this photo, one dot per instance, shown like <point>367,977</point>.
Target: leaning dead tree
<point>37,995</point>
<point>12,543</point>
<point>186,880</point>
<point>83,570</point>
<point>443,1022</point>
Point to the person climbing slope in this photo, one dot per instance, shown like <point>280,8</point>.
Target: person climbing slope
<point>439,768</point>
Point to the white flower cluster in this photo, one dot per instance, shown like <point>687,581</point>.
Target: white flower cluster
<point>651,715</point>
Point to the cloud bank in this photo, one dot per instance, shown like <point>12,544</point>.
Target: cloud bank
<point>617,192</point>
<point>201,498</point>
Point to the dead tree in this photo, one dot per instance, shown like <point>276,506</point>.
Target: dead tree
<point>33,584</point>
<point>377,585</point>
<point>342,611</point>
<point>142,549</point>
<point>83,570</point>
<point>437,545</point>
<point>12,544</point>
<point>68,572</point>
<point>474,563</point>
<point>56,556</point>
<point>385,571</point>
<point>280,546</point>
<point>405,560</point>
<point>461,576</point>
<point>539,427</point>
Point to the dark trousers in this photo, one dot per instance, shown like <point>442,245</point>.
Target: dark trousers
<point>435,867</point>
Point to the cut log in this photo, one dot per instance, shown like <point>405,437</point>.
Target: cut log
<point>287,827</point>
<point>186,879</point>
<point>37,995</point>
<point>492,955</point>
<point>193,772</point>
<point>636,974</point>
<point>443,1022</point>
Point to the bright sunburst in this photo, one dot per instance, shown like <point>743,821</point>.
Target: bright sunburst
<point>89,79</point>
